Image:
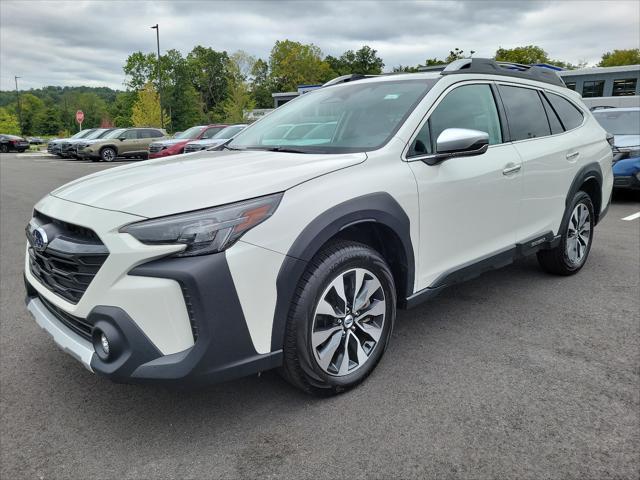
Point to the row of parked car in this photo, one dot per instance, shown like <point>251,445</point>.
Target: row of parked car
<point>106,144</point>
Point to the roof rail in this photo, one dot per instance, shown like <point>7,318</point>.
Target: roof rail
<point>345,78</point>
<point>488,66</point>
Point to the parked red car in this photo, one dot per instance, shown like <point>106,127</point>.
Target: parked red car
<point>175,146</point>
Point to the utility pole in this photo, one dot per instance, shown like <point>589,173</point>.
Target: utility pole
<point>157,29</point>
<point>19,107</point>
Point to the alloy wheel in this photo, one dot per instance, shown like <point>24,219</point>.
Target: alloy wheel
<point>348,322</point>
<point>578,234</point>
<point>108,155</point>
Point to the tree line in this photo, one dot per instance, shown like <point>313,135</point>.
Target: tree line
<point>206,85</point>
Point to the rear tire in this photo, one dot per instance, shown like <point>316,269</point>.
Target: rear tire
<point>340,319</point>
<point>108,154</point>
<point>576,233</point>
<point>4,148</point>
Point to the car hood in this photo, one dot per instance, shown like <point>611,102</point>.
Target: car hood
<point>625,141</point>
<point>189,182</point>
<point>171,141</point>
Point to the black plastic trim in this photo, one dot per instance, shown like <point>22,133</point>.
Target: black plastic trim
<point>378,207</point>
<point>478,267</point>
<point>588,172</point>
<point>223,349</point>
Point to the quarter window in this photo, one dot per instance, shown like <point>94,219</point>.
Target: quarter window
<point>622,88</point>
<point>525,113</point>
<point>593,89</point>
<point>469,106</point>
<point>569,114</point>
<point>554,121</point>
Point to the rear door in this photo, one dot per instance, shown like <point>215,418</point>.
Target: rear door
<point>549,158</point>
<point>468,205</point>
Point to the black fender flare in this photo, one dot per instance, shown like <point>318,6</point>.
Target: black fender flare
<point>588,172</point>
<point>377,207</point>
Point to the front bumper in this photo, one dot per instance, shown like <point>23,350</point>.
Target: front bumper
<point>85,154</point>
<point>223,349</point>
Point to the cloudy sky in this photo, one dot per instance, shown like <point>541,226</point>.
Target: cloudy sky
<point>87,42</point>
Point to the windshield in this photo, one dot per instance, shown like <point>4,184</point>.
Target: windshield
<point>192,133</point>
<point>95,134</point>
<point>353,117</point>
<point>115,133</point>
<point>82,133</point>
<point>229,131</point>
<point>620,122</point>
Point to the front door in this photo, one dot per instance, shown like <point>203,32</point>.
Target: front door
<point>468,205</point>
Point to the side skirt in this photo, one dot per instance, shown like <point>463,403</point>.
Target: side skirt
<point>478,267</point>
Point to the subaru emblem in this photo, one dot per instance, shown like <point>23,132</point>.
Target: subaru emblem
<point>40,239</point>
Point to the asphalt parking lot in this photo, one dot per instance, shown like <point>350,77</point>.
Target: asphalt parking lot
<point>516,374</point>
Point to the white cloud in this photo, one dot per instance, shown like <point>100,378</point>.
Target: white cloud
<point>87,42</point>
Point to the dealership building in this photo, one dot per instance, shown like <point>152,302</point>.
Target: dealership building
<point>605,86</point>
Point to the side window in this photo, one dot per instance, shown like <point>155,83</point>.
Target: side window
<point>143,134</point>
<point>130,135</point>
<point>569,114</point>
<point>525,113</point>
<point>469,106</point>
<point>593,89</point>
<point>554,121</point>
<point>155,134</point>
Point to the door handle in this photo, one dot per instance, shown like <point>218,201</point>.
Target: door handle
<point>511,168</point>
<point>572,156</point>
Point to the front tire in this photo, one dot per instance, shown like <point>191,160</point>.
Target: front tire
<point>108,154</point>
<point>571,254</point>
<point>340,320</point>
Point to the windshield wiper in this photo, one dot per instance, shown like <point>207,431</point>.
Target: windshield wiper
<point>224,146</point>
<point>282,149</point>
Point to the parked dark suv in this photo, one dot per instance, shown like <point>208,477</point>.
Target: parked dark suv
<point>13,142</point>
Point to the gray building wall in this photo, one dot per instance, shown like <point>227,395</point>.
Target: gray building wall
<point>616,73</point>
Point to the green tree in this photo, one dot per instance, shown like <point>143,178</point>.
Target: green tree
<point>30,108</point>
<point>146,109</point>
<point>238,103</point>
<point>630,56</point>
<point>294,63</point>
<point>140,68</point>
<point>209,76</point>
<point>48,122</point>
<point>526,55</point>
<point>455,54</point>
<point>364,61</point>
<point>121,109</point>
<point>9,122</point>
<point>261,85</point>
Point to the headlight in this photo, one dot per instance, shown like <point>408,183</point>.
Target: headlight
<point>205,231</point>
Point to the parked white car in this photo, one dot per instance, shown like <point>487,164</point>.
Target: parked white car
<point>218,139</point>
<point>202,268</point>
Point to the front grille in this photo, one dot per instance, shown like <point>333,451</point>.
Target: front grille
<point>155,148</point>
<point>193,148</point>
<point>70,260</point>
<point>76,324</point>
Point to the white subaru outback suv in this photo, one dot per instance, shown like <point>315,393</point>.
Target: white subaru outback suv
<point>294,253</point>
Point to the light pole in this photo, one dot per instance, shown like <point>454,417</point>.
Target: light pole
<point>157,29</point>
<point>19,107</point>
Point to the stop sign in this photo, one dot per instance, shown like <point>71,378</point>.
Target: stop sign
<point>79,116</point>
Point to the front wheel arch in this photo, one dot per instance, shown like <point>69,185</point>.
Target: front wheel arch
<point>340,222</point>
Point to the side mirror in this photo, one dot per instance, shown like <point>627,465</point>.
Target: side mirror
<point>122,139</point>
<point>458,142</point>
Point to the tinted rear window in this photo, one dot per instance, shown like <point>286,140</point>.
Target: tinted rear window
<point>525,113</point>
<point>569,114</point>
